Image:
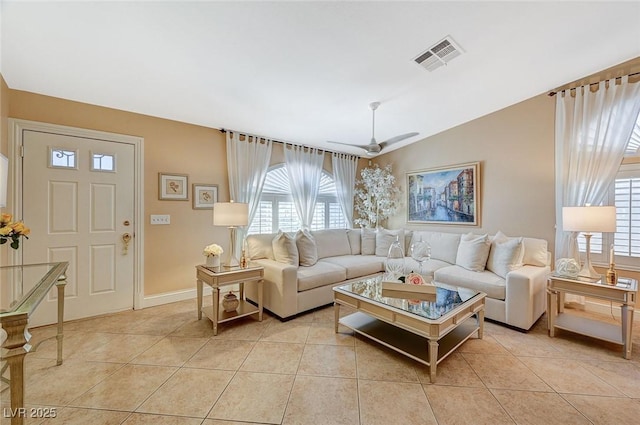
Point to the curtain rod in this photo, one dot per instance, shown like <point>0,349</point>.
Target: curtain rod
<point>224,130</point>
<point>553,93</point>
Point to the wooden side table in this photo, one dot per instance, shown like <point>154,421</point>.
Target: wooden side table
<point>216,278</point>
<point>624,292</point>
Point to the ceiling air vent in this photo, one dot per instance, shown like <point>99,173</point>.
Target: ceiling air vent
<point>439,54</point>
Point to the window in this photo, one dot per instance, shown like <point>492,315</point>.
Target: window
<point>278,212</point>
<point>625,195</point>
<point>62,158</point>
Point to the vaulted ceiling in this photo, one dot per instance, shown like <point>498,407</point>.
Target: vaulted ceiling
<point>305,72</point>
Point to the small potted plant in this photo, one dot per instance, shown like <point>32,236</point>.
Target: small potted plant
<point>213,253</point>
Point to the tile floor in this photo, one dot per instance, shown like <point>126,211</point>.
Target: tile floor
<point>162,366</point>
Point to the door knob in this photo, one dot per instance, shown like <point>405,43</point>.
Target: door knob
<point>126,238</point>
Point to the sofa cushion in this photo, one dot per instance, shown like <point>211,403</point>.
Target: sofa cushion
<point>384,239</point>
<point>355,240</point>
<point>307,250</point>
<point>489,283</point>
<point>368,246</point>
<point>535,252</point>
<point>260,246</point>
<point>473,252</point>
<point>444,246</point>
<point>320,274</point>
<point>285,249</point>
<point>331,242</point>
<point>505,255</point>
<point>358,265</point>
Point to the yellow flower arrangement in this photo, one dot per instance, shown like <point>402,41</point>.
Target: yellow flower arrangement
<point>11,231</point>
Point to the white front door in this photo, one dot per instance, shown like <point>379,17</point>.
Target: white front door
<point>78,200</point>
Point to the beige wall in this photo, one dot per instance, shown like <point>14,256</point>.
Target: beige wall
<point>172,251</point>
<point>515,148</point>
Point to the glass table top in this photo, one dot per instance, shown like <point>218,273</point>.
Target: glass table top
<point>22,287</point>
<point>446,299</point>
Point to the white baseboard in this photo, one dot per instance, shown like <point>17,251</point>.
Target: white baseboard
<point>172,297</point>
<point>605,308</point>
<point>182,295</point>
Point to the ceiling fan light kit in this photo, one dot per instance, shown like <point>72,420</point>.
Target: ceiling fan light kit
<point>374,148</point>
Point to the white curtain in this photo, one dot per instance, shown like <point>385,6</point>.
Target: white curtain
<point>248,160</point>
<point>592,132</point>
<point>304,167</point>
<point>344,177</point>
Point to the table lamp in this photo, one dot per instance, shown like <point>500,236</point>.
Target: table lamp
<point>231,214</point>
<point>586,220</point>
<point>4,177</point>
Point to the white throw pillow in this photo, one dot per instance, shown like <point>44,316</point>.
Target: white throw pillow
<point>384,239</point>
<point>355,240</point>
<point>535,252</point>
<point>473,252</point>
<point>307,249</point>
<point>368,245</point>
<point>285,249</point>
<point>505,255</point>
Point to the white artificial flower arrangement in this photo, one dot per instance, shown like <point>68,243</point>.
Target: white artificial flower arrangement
<point>213,249</point>
<point>376,196</point>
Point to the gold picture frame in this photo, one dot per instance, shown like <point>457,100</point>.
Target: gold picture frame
<point>173,187</point>
<point>204,195</point>
<point>445,195</point>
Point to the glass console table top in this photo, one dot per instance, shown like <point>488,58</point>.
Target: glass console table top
<point>447,298</point>
<point>22,287</point>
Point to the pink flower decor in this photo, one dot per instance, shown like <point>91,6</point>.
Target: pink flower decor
<point>415,279</point>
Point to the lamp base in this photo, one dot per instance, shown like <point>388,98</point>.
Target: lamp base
<point>231,260</point>
<point>587,271</point>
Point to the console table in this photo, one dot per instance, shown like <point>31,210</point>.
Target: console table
<point>22,288</point>
<point>217,277</point>
<point>624,292</point>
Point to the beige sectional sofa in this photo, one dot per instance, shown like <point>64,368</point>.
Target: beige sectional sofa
<point>515,286</point>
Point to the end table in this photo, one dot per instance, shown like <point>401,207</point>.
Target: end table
<point>216,278</point>
<point>624,292</point>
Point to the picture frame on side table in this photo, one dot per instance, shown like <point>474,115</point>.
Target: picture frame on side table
<point>173,187</point>
<point>444,195</point>
<point>204,196</point>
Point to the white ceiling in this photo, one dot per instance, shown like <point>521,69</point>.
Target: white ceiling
<point>305,72</point>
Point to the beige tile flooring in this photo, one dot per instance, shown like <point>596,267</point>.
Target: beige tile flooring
<point>162,366</point>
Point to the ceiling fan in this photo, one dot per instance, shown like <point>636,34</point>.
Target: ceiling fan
<point>374,148</point>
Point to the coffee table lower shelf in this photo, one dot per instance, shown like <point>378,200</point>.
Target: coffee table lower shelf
<point>407,343</point>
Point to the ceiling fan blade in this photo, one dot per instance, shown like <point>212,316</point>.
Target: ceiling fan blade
<point>365,147</point>
<point>397,139</point>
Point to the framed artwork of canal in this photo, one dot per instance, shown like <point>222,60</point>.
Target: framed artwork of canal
<point>445,195</point>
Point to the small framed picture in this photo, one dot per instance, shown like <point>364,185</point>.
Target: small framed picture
<point>173,187</point>
<point>204,196</point>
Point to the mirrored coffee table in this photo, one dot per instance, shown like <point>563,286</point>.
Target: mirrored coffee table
<point>426,331</point>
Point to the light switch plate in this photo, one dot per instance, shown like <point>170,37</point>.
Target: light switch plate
<point>160,219</point>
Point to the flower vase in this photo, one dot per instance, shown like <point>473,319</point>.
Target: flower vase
<point>213,261</point>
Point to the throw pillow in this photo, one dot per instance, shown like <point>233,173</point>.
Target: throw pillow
<point>284,249</point>
<point>384,239</point>
<point>535,252</point>
<point>473,252</point>
<point>307,249</point>
<point>505,255</point>
<point>368,245</point>
<point>355,240</point>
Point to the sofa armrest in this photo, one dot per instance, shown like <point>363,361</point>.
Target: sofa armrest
<point>525,296</point>
<point>280,287</point>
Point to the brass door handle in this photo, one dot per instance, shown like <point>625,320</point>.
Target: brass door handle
<point>126,238</point>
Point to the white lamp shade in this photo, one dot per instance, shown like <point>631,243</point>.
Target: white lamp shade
<point>230,214</point>
<point>589,219</point>
<point>4,178</point>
